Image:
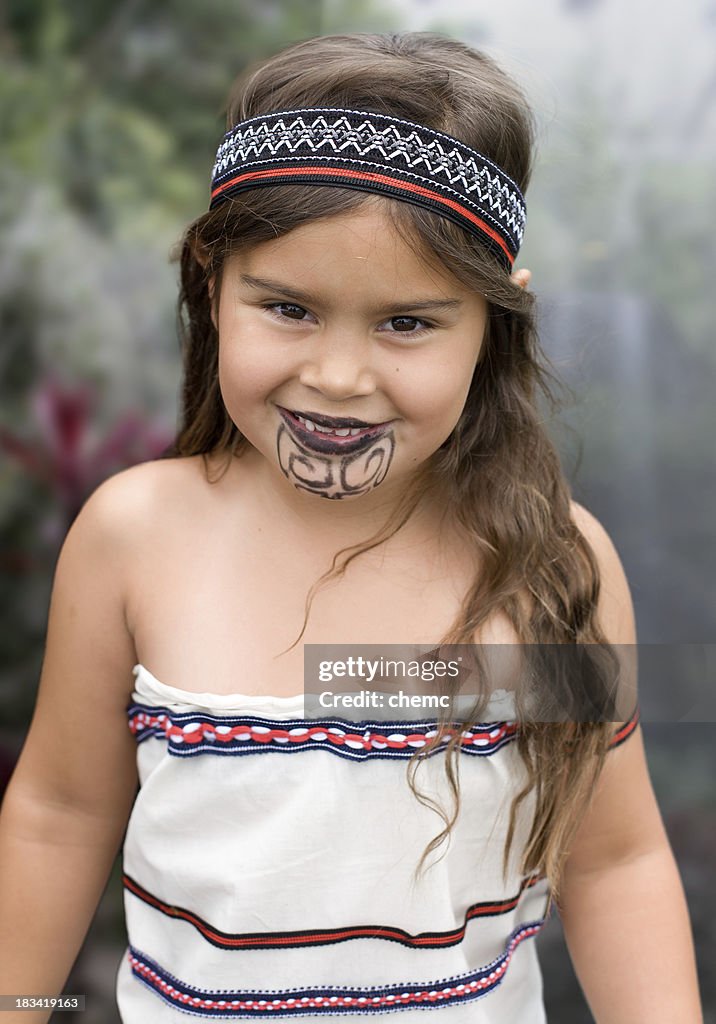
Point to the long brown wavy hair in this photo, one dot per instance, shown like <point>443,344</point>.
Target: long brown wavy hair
<point>498,471</point>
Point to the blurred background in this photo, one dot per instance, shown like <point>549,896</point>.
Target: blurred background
<point>111,114</point>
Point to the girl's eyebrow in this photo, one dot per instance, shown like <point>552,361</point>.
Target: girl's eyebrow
<point>291,293</point>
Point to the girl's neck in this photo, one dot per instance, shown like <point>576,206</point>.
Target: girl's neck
<point>336,523</point>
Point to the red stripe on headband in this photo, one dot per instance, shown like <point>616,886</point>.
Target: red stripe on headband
<point>371,176</point>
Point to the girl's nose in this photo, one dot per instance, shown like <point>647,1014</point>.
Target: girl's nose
<point>339,368</point>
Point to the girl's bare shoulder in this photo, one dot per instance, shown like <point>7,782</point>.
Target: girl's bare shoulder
<point>148,481</point>
<point>136,502</point>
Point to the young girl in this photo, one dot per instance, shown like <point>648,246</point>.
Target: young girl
<point>361,461</point>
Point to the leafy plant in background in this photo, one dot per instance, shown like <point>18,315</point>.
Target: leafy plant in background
<point>51,473</point>
<point>62,455</point>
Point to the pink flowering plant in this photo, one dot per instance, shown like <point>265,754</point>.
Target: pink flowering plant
<point>60,462</point>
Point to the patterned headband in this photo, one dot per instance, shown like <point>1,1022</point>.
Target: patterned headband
<point>374,153</point>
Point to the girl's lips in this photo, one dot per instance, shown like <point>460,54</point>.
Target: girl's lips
<point>331,444</point>
<point>318,419</point>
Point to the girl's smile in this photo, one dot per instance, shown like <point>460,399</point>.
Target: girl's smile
<point>345,358</point>
<point>332,435</point>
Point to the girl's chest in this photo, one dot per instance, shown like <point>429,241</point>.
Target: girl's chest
<point>221,615</point>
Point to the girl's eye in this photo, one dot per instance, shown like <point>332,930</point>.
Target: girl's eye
<point>409,325</point>
<point>286,311</point>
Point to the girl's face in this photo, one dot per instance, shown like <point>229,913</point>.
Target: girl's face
<point>343,358</point>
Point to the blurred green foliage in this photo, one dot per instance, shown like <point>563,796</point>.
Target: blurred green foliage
<point>612,207</point>
<point>120,104</point>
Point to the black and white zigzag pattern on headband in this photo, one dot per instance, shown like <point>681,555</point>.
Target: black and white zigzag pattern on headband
<point>375,153</point>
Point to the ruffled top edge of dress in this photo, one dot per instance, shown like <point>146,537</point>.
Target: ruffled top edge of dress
<point>150,689</point>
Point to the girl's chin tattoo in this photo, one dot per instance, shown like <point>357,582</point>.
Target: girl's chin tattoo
<point>335,476</point>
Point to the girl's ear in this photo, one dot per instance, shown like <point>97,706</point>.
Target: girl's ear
<point>214,305</point>
<point>521,277</point>
<point>212,287</point>
<point>199,253</point>
<point>202,258</point>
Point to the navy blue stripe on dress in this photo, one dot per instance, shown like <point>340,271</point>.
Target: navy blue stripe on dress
<point>191,733</point>
<point>330,1000</point>
<point>197,732</point>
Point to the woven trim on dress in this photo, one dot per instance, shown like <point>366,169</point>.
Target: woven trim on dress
<point>192,733</point>
<point>189,734</point>
<point>328,1000</point>
<point>377,153</point>
<point>329,936</point>
<point>626,730</point>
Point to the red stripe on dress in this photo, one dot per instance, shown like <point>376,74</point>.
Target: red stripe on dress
<point>228,940</point>
<point>626,730</point>
<point>294,1002</point>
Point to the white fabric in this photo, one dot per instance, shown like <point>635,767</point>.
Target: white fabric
<point>284,840</point>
